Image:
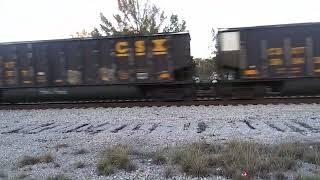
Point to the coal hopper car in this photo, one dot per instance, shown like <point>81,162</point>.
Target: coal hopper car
<point>275,60</point>
<point>154,66</point>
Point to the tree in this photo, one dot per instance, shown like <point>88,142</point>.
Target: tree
<point>205,68</point>
<point>95,33</point>
<point>140,17</point>
<point>214,46</point>
<point>81,34</point>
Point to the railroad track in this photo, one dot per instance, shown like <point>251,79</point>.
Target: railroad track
<point>204,101</point>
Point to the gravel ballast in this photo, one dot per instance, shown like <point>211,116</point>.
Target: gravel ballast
<point>63,133</point>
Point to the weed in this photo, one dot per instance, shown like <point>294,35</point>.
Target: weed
<point>159,158</point>
<point>81,151</point>
<point>79,165</point>
<point>168,172</point>
<point>312,154</point>
<point>22,176</point>
<point>32,160</point>
<point>114,158</point>
<point>58,177</point>
<point>3,174</point>
<point>193,160</point>
<point>317,177</point>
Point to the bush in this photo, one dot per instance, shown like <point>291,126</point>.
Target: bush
<point>80,151</point>
<point>79,165</point>
<point>58,177</point>
<point>3,175</point>
<point>159,158</point>
<point>230,160</point>
<point>115,158</point>
<point>168,172</point>
<point>32,160</point>
<point>193,159</point>
<point>258,159</point>
<point>244,156</point>
<point>312,154</point>
<point>309,177</point>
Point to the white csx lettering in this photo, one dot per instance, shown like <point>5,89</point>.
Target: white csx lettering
<point>158,48</point>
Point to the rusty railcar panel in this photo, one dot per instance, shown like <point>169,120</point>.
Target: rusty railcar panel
<point>25,65</point>
<point>10,63</point>
<point>2,81</point>
<point>57,63</point>
<point>142,60</point>
<point>281,51</point>
<point>74,58</point>
<point>107,64</point>
<point>40,56</point>
<point>123,58</point>
<point>161,58</point>
<point>288,49</point>
<point>91,64</point>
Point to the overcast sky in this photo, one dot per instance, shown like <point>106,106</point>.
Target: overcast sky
<point>46,19</point>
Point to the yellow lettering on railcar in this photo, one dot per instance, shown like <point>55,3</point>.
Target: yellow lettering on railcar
<point>24,72</point>
<point>159,47</point>
<point>275,51</point>
<point>122,49</point>
<point>276,62</point>
<point>59,81</point>
<point>9,73</point>
<point>10,81</point>
<point>41,79</point>
<point>10,64</point>
<point>140,48</point>
<point>281,70</point>
<point>295,68</point>
<point>297,61</point>
<point>165,75</point>
<point>27,82</point>
<point>250,72</point>
<point>316,60</point>
<point>297,50</point>
<point>123,75</point>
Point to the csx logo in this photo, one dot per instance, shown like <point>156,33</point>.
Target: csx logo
<point>158,48</point>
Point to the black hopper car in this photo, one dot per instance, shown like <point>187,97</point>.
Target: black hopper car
<point>129,67</point>
<point>269,60</point>
<point>253,62</point>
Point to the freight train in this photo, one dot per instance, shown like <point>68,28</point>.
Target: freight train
<point>252,62</point>
<point>274,60</point>
<point>128,67</point>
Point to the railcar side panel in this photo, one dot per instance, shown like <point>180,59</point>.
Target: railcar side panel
<point>284,51</point>
<point>42,73</point>
<point>101,61</point>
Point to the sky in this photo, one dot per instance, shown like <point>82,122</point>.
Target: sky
<point>24,20</point>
